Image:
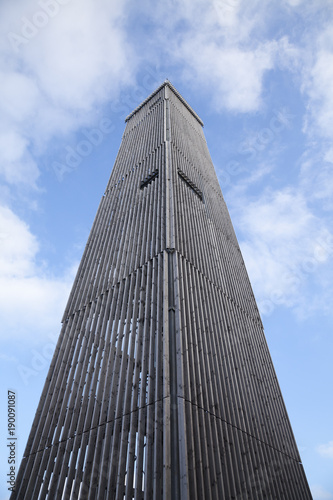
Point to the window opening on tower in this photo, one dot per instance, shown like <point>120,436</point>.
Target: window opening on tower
<point>190,184</point>
<point>149,179</point>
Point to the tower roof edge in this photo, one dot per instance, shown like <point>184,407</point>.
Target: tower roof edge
<point>166,83</point>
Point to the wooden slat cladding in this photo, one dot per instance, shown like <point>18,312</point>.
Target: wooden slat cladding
<point>231,394</point>
<point>100,421</point>
<point>128,230</point>
<point>161,385</point>
<point>207,240</point>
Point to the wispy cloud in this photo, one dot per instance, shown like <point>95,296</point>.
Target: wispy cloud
<point>52,83</point>
<point>285,247</point>
<point>214,47</point>
<point>316,175</point>
<point>30,299</point>
<point>326,450</point>
<point>235,74</point>
<point>319,493</point>
<point>317,85</point>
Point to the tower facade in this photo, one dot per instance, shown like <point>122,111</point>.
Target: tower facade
<point>162,385</point>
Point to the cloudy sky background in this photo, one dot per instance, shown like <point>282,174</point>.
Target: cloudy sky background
<point>260,75</point>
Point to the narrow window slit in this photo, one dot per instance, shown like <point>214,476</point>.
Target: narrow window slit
<point>190,184</point>
<point>149,179</point>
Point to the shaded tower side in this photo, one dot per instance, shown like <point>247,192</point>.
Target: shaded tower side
<point>236,438</point>
<point>102,427</point>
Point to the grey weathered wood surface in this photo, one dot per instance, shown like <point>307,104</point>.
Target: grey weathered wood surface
<point>162,385</point>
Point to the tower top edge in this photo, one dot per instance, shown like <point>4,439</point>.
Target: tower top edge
<point>166,83</point>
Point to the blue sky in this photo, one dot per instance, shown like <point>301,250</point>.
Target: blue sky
<point>260,75</point>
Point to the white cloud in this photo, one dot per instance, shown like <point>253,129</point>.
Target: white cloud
<point>326,450</point>
<point>5,357</point>
<point>226,49</point>
<point>227,12</point>
<point>316,84</point>
<point>235,74</point>
<point>281,215</point>
<point>81,55</point>
<point>289,56</point>
<point>320,93</point>
<point>18,246</point>
<point>214,46</point>
<point>21,95</point>
<point>284,247</point>
<point>294,3</point>
<point>30,300</point>
<point>319,493</point>
<point>316,176</point>
<point>53,82</point>
<point>17,165</point>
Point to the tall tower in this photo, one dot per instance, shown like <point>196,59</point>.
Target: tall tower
<point>161,385</point>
